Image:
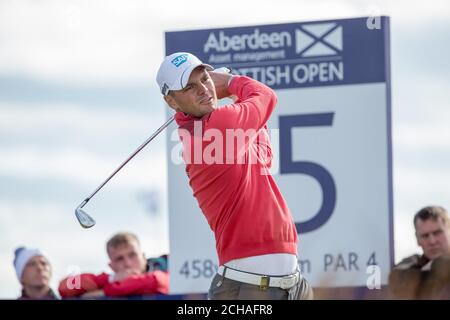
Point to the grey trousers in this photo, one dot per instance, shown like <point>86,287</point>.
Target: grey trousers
<point>226,289</point>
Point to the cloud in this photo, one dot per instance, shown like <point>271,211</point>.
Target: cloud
<point>425,136</point>
<point>20,118</point>
<point>79,166</point>
<point>117,41</point>
<point>79,146</point>
<point>110,40</point>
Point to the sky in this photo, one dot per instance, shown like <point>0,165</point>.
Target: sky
<point>78,95</point>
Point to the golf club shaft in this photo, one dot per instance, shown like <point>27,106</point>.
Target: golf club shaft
<point>129,158</point>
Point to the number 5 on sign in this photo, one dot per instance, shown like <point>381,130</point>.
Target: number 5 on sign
<point>318,172</point>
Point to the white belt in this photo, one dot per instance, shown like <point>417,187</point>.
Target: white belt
<point>263,281</point>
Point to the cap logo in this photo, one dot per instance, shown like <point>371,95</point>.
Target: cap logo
<point>164,89</point>
<point>179,60</point>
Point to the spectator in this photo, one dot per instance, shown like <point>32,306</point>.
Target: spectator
<point>34,272</point>
<point>426,276</point>
<point>131,275</point>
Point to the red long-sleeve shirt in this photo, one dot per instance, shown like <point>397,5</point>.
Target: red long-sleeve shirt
<point>155,282</point>
<point>239,198</point>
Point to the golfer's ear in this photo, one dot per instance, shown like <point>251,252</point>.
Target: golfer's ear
<point>171,102</point>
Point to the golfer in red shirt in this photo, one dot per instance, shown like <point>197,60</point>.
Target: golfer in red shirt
<point>227,154</point>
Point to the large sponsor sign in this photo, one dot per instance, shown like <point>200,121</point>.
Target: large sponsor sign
<point>331,133</point>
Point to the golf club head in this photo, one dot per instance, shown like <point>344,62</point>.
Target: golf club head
<point>84,219</point>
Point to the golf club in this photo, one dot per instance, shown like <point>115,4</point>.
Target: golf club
<point>85,220</point>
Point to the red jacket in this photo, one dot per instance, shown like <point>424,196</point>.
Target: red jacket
<point>155,282</point>
<point>243,206</point>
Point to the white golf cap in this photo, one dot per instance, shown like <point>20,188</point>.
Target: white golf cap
<point>174,72</point>
<point>21,256</point>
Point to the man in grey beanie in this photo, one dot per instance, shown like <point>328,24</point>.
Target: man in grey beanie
<point>34,272</point>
